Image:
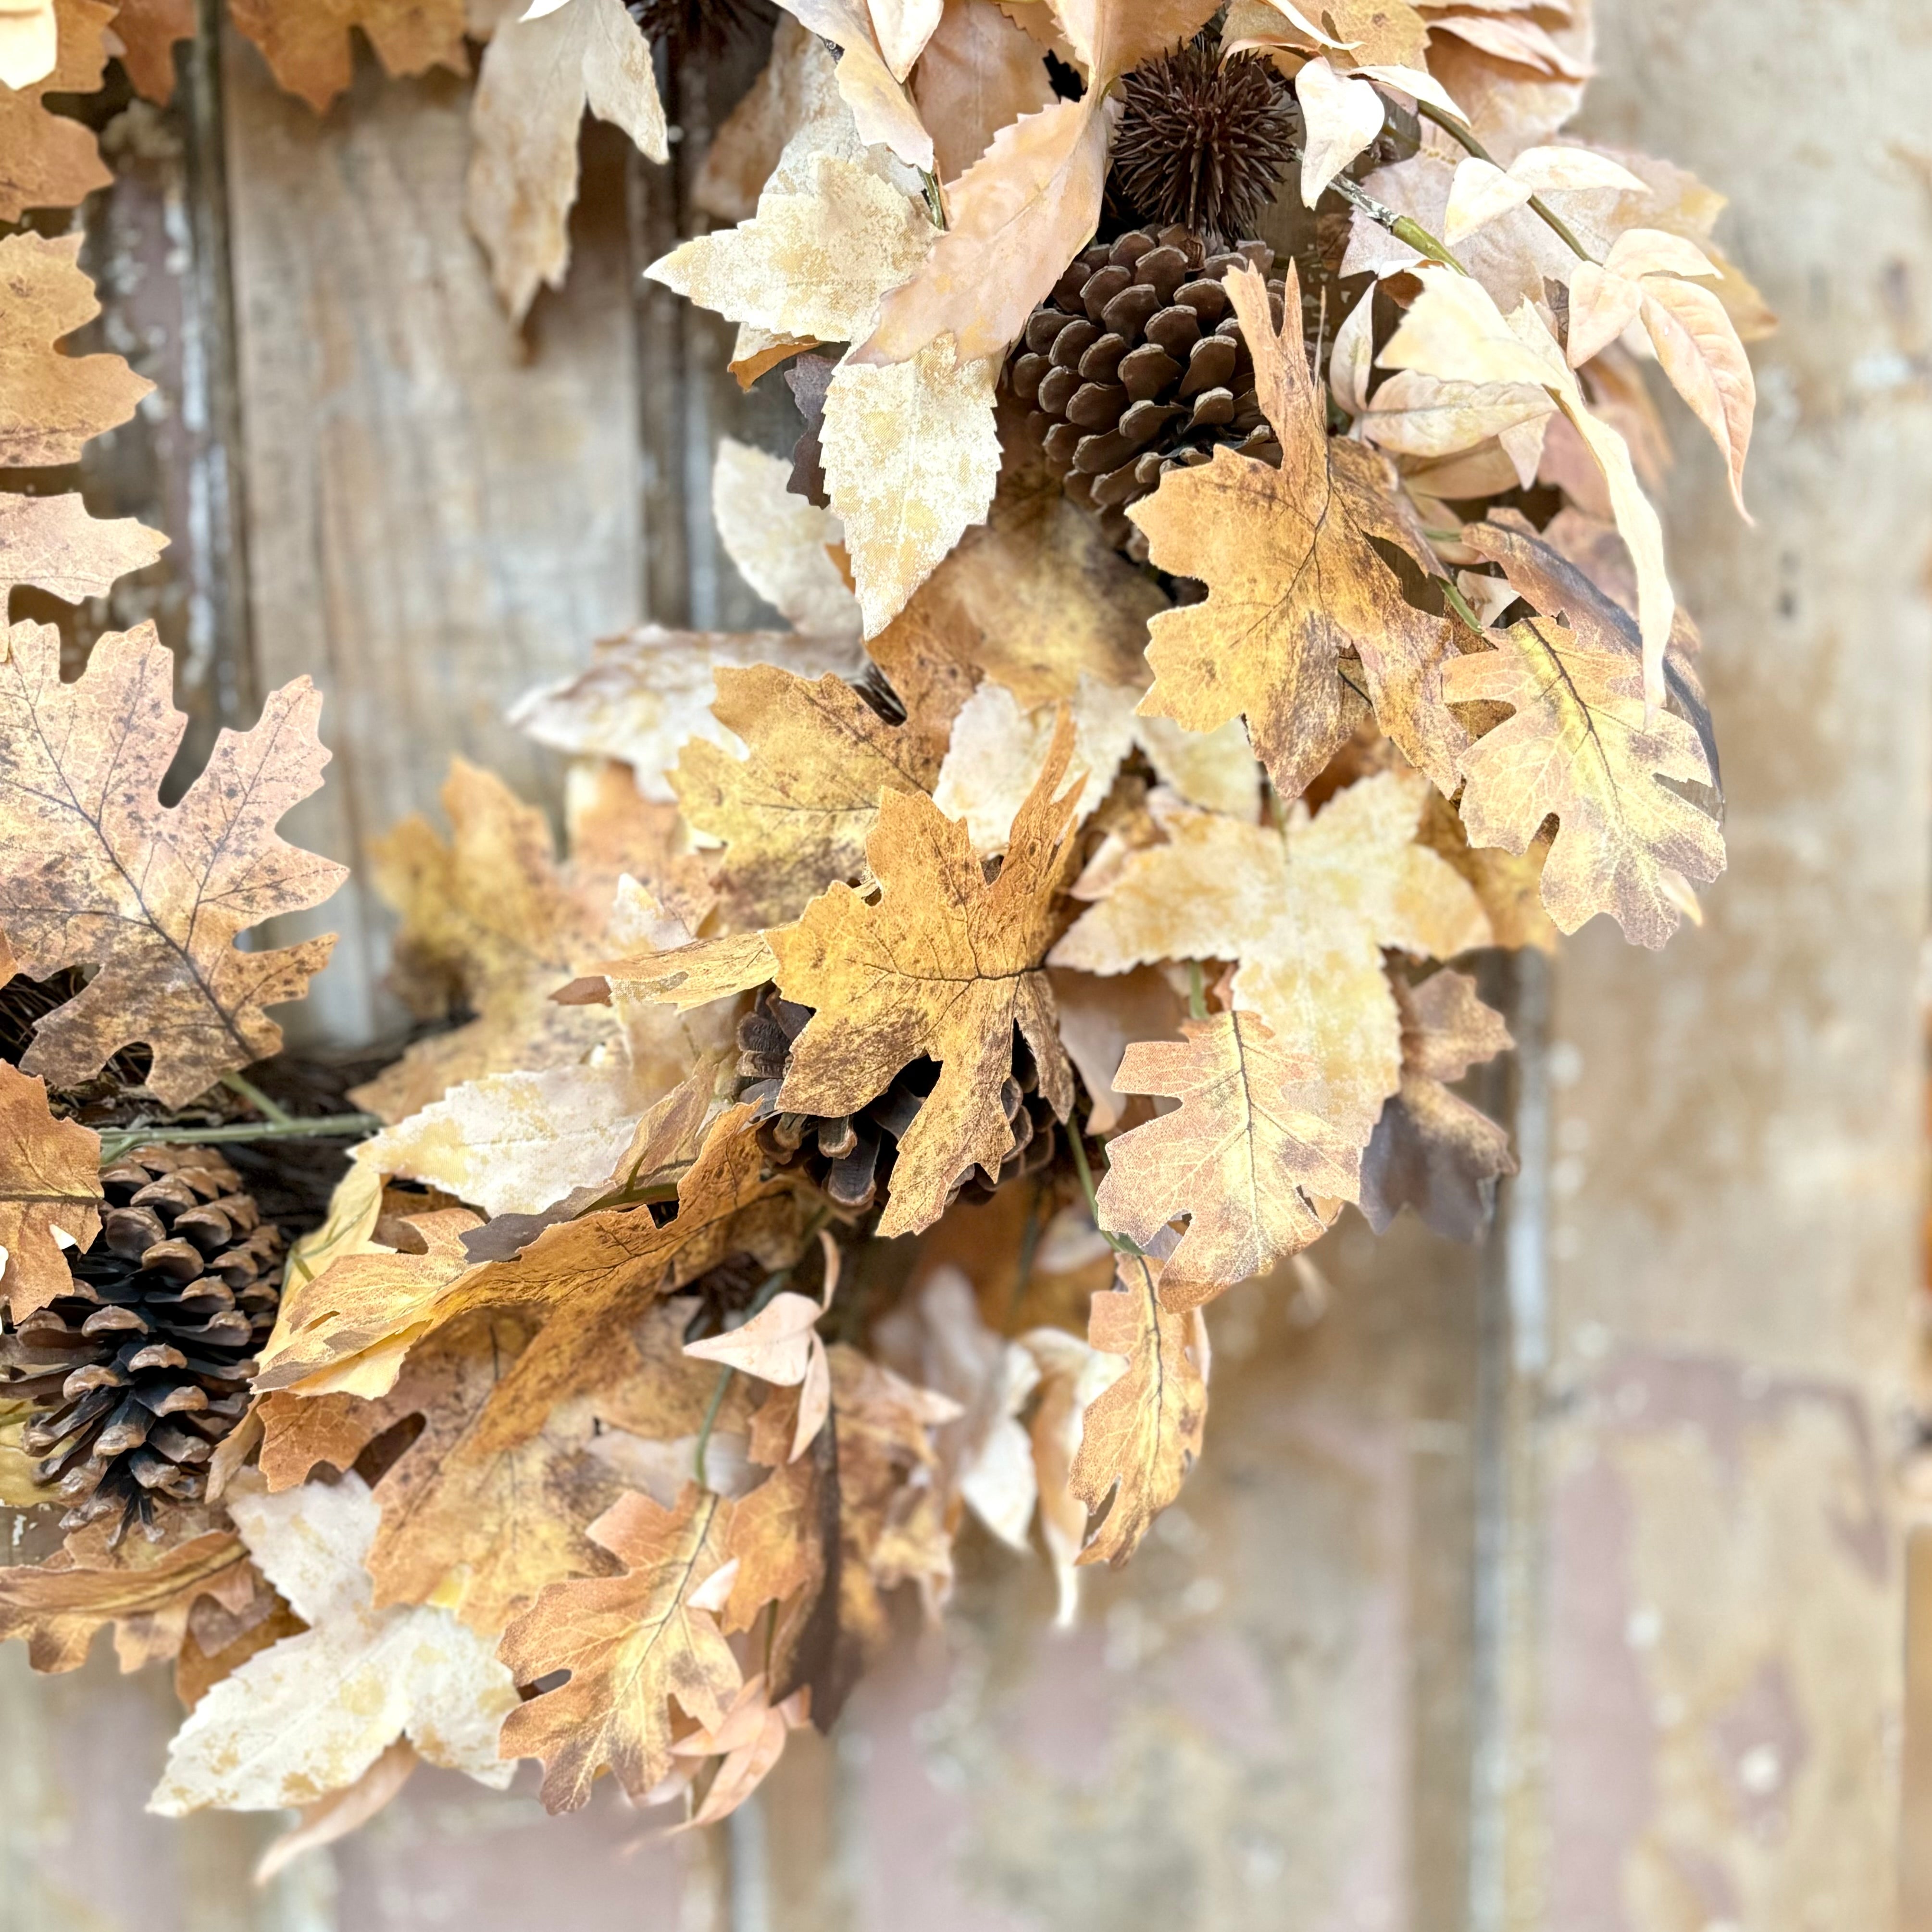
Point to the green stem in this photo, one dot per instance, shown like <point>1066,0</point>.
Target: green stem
<point>117,1141</point>
<point>1123,1244</point>
<point>1460,604</point>
<point>1197,991</point>
<point>1464,139</point>
<point>1400,226</point>
<point>268,1109</point>
<point>724,1376</point>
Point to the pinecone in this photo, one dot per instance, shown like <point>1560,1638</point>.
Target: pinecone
<point>850,1157</point>
<point>144,1367</point>
<point>1134,364</point>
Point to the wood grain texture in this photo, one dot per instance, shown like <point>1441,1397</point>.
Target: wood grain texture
<point>441,512</point>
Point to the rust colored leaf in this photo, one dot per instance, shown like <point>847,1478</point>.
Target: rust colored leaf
<point>49,1184</point>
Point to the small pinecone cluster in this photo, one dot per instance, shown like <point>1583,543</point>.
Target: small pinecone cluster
<point>850,1157</point>
<point>144,1367</point>
<point>1135,365</point>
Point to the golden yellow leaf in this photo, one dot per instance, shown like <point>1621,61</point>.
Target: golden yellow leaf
<point>53,161</point>
<point>1295,587</point>
<point>1584,745</point>
<point>97,872</point>
<point>1307,914</point>
<point>944,966</point>
<point>1247,1155</point>
<point>306,42</point>
<point>310,1714</point>
<point>794,814</point>
<point>49,1184</point>
<point>1432,1151</point>
<point>538,77</point>
<point>1139,1438</point>
<point>631,1644</point>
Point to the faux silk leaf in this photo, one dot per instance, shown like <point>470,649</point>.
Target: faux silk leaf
<point>942,966</point>
<point>1139,1438</point>
<point>1245,1157</point>
<point>631,1644</point>
<point>49,1184</point>
<point>1294,585</point>
<point>307,45</point>
<point>97,872</point>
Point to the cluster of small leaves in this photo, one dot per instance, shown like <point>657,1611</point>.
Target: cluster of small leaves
<point>1007,866</point>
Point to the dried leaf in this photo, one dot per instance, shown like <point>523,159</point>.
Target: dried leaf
<point>781,544</point>
<point>775,1538</point>
<point>538,77</point>
<point>49,1186</point>
<point>1342,118</point>
<point>1584,745</point>
<point>795,814</point>
<point>1293,584</point>
<point>29,42</point>
<point>324,1820</point>
<point>943,966</point>
<point>1697,347</point>
<point>1073,1376</point>
<point>880,108</point>
<point>311,1713</point>
<point>1099,1017</point>
<point>307,45</point>
<point>980,73</point>
<point>631,1644</point>
<point>99,873</point>
<point>1432,1151</point>
<point>52,161</point>
<point>749,1742</point>
<point>1139,1438</point>
<point>149,31</point>
<point>51,543</point>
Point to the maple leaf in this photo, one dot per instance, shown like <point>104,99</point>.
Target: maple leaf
<point>1139,1438</point>
<point>1306,912</point>
<point>145,1590</point>
<point>942,966</point>
<point>310,1714</point>
<point>1432,1151</point>
<point>52,161</point>
<point>1294,584</point>
<point>96,871</point>
<point>306,42</point>
<point>1248,1155</point>
<point>1583,745</point>
<point>49,1185</point>
<point>631,1644</point>
<point>539,75</point>
<point>148,30</point>
<point>794,814</point>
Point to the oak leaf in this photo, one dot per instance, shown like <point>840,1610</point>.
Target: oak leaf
<point>1295,584</point>
<point>310,1714</point>
<point>51,543</point>
<point>538,77</point>
<point>1248,1155</point>
<point>1432,1151</point>
<point>944,966</point>
<point>777,1534</point>
<point>97,872</point>
<point>794,814</point>
<point>747,1743</point>
<point>1306,913</point>
<point>51,159</point>
<point>307,44</point>
<point>1073,1376</point>
<point>631,1644</point>
<point>148,30</point>
<point>50,1186</point>
<point>1139,1438</point>
<point>1584,745</point>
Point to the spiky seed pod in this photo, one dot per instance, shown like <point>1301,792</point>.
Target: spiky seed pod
<point>1135,363</point>
<point>144,1366</point>
<point>1203,143</point>
<point>850,1156</point>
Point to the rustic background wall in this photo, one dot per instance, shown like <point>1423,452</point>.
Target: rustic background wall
<point>1560,1586</point>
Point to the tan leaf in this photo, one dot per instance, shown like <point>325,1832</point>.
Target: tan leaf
<point>1519,40</point>
<point>944,966</point>
<point>794,814</point>
<point>325,1820</point>
<point>1342,118</point>
<point>631,1644</point>
<point>748,1745</point>
<point>1432,1151</point>
<point>1416,415</point>
<point>902,28</point>
<point>312,1713</point>
<point>1306,914</point>
<point>98,872</point>
<point>1098,1017</point>
<point>148,30</point>
<point>1073,1375</point>
<point>1365,32</point>
<point>911,458</point>
<point>1293,584</point>
<point>780,543</point>
<point>695,975</point>
<point>49,1185</point>
<point>1697,347</point>
<point>538,77</point>
<point>144,1589</point>
<point>1583,745</point>
<point>52,161</point>
<point>880,106</point>
<point>745,151</point>
<point>1247,1157</point>
<point>1139,1438</point>
<point>51,543</point>
<point>307,45</point>
<point>778,1529</point>
<point>51,402</point>
<point>980,73</point>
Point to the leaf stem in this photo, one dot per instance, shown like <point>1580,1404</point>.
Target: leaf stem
<point>1460,604</point>
<point>1400,226</point>
<point>117,1141</point>
<point>1461,136</point>
<point>1197,991</point>
<point>1123,1244</point>
<point>268,1109</point>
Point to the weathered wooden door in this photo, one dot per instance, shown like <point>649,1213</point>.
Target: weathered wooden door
<point>1560,1585</point>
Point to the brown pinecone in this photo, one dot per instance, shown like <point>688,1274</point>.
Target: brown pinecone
<point>1134,364</point>
<point>850,1156</point>
<point>144,1366</point>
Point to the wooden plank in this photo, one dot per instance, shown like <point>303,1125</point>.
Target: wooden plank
<point>441,512</point>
